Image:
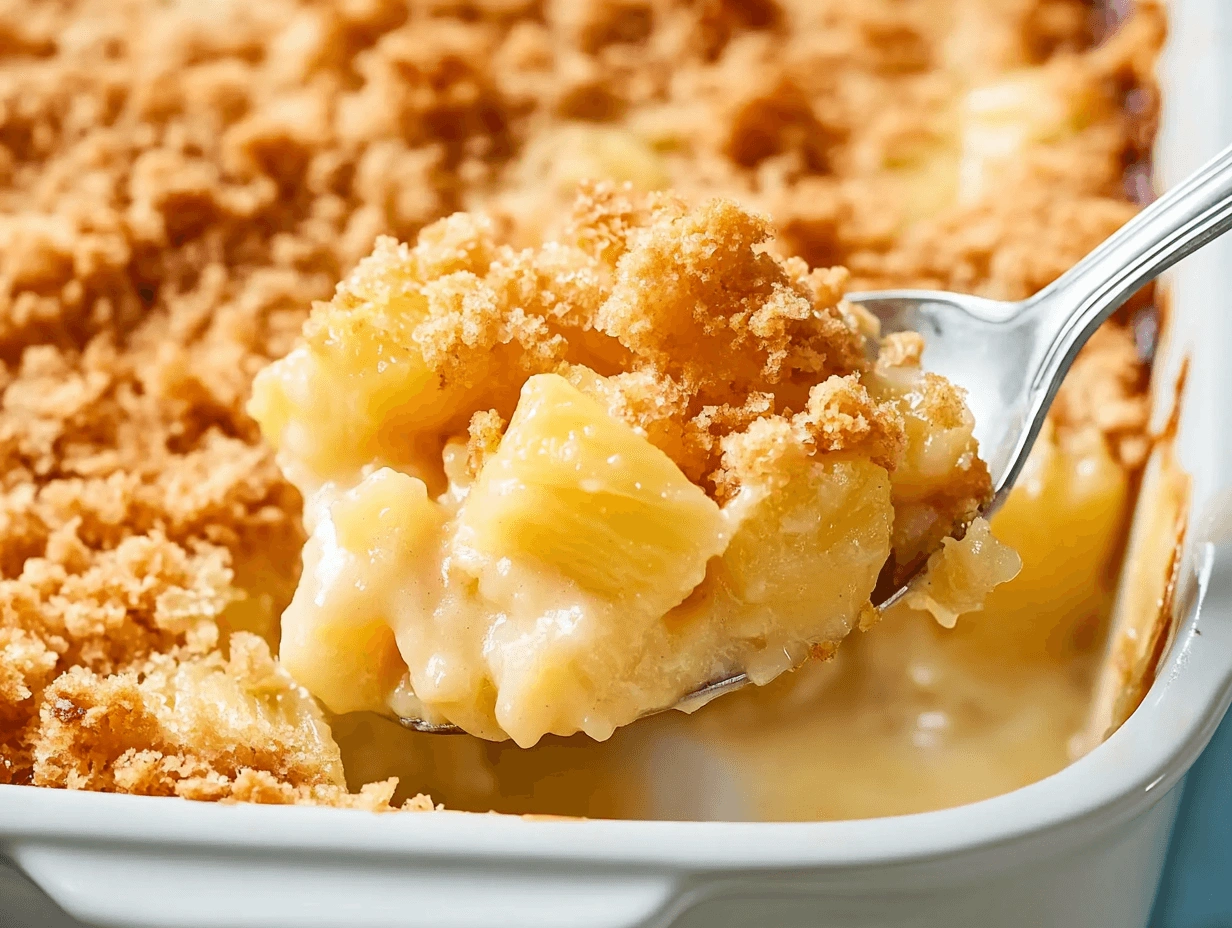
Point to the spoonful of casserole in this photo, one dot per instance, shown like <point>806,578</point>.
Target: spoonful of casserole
<point>556,489</point>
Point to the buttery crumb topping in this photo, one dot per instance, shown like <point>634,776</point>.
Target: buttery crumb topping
<point>695,330</point>
<point>179,188</point>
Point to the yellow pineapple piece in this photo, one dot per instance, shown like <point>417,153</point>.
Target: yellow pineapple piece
<point>961,574</point>
<point>370,559</point>
<point>938,429</point>
<point>940,483</point>
<point>575,489</point>
<point>580,151</point>
<point>244,710</point>
<point>579,535</point>
<point>1001,120</point>
<point>806,557</point>
<point>919,160</point>
<point>928,183</point>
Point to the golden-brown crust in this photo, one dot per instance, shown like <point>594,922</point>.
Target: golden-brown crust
<point>195,726</point>
<point>839,416</point>
<point>121,731</point>
<point>1106,390</point>
<point>699,328</point>
<point>901,349</point>
<point>697,298</point>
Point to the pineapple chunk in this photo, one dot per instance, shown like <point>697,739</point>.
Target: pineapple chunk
<point>358,389</point>
<point>575,489</point>
<point>357,379</point>
<point>1036,106</point>
<point>588,151</point>
<point>961,574</point>
<point>370,560</point>
<point>940,483</point>
<point>242,711</point>
<point>581,535</point>
<point>928,183</point>
<point>332,413</point>
<point>806,557</point>
<point>938,428</point>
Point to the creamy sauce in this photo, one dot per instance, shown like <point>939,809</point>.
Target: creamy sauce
<point>899,722</point>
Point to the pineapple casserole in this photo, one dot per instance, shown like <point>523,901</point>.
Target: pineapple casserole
<point>526,202</point>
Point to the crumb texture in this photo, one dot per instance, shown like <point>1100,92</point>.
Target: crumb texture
<point>699,330</point>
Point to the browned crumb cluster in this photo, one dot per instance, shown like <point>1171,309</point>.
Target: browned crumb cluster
<point>179,181</point>
<point>839,416</point>
<point>695,330</point>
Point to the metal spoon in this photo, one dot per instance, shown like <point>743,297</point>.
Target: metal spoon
<point>1011,357</point>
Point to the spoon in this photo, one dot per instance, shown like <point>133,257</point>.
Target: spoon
<point>1012,357</point>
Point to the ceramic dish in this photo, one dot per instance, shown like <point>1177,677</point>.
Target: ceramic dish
<point>1082,847</point>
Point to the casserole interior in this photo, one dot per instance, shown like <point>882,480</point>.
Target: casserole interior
<point>153,541</point>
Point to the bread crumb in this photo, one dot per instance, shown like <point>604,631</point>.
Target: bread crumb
<point>701,333</point>
<point>485,432</point>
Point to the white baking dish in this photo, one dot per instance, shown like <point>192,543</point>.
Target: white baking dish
<point>1081,848</point>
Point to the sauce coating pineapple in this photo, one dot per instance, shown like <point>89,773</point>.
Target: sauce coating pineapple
<point>820,536</point>
<point>366,561</point>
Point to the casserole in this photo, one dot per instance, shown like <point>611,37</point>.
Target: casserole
<point>1082,847</point>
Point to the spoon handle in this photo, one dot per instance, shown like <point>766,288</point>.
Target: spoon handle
<point>1188,216</point>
